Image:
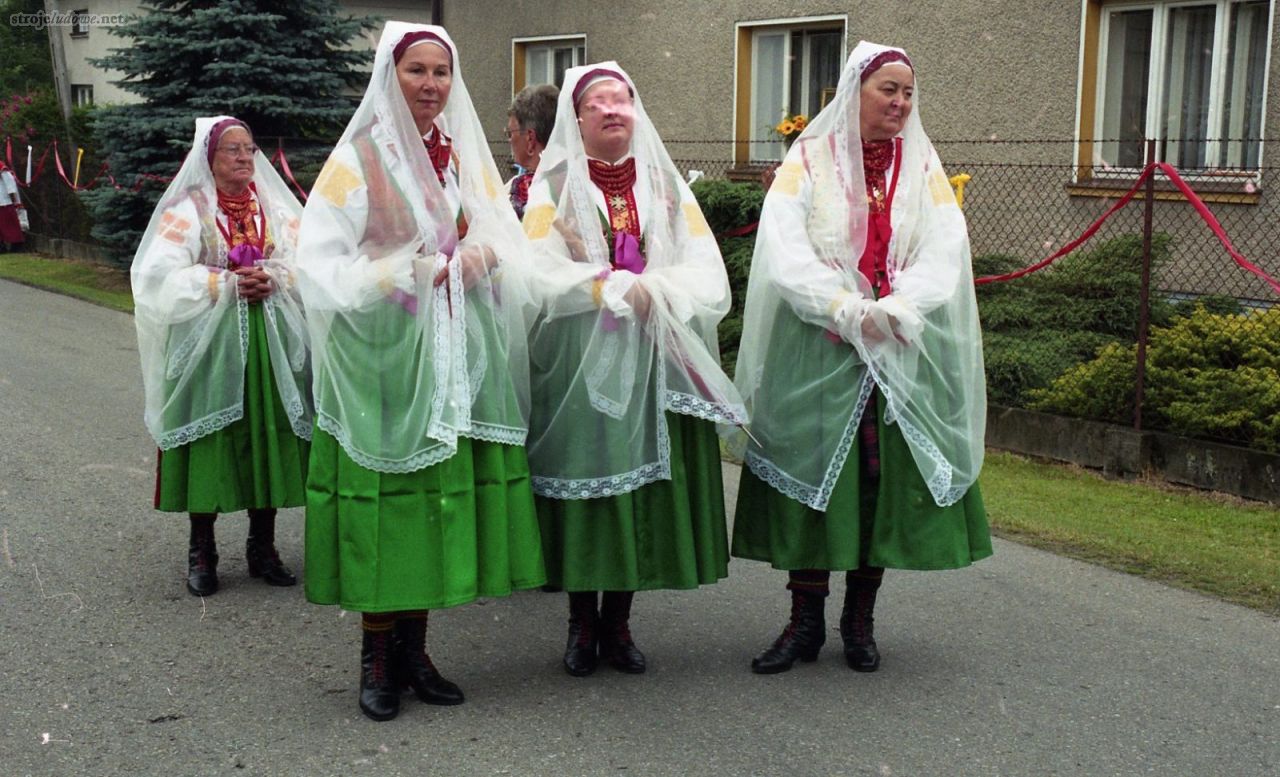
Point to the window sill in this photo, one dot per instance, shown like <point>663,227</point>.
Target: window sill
<point>1229,192</point>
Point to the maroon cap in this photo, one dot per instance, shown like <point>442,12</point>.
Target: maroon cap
<point>417,36</point>
<point>215,134</point>
<point>585,81</point>
<point>882,59</point>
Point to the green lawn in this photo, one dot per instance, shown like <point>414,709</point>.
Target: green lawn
<point>97,283</point>
<point>1219,545</point>
<point>1212,543</point>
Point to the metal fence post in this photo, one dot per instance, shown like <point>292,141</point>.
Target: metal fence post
<point>1144,298</point>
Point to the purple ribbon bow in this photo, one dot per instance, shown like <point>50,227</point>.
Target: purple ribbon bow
<point>626,253</point>
<point>244,255</point>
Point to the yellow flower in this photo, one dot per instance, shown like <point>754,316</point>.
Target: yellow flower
<point>785,128</point>
<point>799,122</point>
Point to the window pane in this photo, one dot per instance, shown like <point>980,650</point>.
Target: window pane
<point>538,66</point>
<point>823,68</point>
<point>795,73</point>
<point>1188,67</point>
<point>768,93</point>
<point>1242,101</point>
<point>1124,108</point>
<point>563,61</point>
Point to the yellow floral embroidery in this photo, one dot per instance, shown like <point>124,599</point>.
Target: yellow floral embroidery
<point>697,222</point>
<point>597,292</point>
<point>940,188</point>
<point>537,221</point>
<point>336,182</point>
<point>788,177</point>
<point>490,185</point>
<point>214,279</point>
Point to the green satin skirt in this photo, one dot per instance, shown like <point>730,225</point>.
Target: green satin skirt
<point>894,524</point>
<point>668,534</point>
<point>441,536</point>
<point>254,462</point>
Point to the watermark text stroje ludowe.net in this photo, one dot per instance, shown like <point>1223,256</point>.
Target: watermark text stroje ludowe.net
<point>43,19</point>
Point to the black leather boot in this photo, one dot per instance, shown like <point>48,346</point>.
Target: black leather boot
<point>801,639</point>
<point>856,624</point>
<point>379,695</point>
<point>584,624</point>
<point>202,556</point>
<point>414,668</point>
<point>616,645</point>
<point>260,550</point>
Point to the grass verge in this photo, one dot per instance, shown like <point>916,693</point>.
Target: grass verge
<point>89,281</point>
<point>1216,544</point>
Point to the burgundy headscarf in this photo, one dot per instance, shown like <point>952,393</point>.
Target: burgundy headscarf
<point>593,77</point>
<point>215,134</point>
<point>884,58</point>
<point>418,36</point>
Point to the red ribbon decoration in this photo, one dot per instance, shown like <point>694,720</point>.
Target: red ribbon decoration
<point>35,174</point>
<point>1192,198</point>
<point>288,174</point>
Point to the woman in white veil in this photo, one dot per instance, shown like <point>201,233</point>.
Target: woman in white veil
<point>626,379</point>
<point>223,347</point>
<point>411,265</point>
<point>861,364</point>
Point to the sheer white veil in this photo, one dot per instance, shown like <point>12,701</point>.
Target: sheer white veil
<point>192,326</point>
<point>403,367</point>
<point>629,368</point>
<point>920,345</point>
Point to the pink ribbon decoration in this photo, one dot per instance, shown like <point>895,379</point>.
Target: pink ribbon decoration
<point>244,255</point>
<point>626,253</point>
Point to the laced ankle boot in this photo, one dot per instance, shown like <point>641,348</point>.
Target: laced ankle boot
<point>202,556</point>
<point>379,696</point>
<point>857,622</point>
<point>414,668</point>
<point>616,645</point>
<point>806,631</point>
<point>584,625</point>
<point>260,550</point>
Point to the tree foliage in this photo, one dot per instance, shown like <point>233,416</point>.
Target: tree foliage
<point>284,68</point>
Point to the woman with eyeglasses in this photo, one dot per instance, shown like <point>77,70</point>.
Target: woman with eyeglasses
<point>221,335</point>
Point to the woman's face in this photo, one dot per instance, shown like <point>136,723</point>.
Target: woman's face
<point>886,101</point>
<point>607,118</point>
<point>233,160</point>
<point>426,76</point>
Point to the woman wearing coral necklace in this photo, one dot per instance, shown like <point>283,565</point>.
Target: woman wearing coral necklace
<point>223,347</point>
<point>861,364</point>
<point>626,380</point>
<point>412,262</point>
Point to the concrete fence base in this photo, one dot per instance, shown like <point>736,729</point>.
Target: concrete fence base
<point>1122,452</point>
<point>65,249</point>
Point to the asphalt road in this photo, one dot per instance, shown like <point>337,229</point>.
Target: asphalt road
<point>1025,664</point>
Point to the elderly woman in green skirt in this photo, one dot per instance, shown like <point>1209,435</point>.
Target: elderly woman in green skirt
<point>223,347</point>
<point>861,363</point>
<point>411,266</point>
<point>626,380</point>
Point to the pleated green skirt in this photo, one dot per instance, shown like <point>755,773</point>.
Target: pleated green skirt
<point>895,524</point>
<point>438,537</point>
<point>255,462</point>
<point>668,534</point>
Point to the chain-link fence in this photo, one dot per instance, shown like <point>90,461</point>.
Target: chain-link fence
<point>1068,339</point>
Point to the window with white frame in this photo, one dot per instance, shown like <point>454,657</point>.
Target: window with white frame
<point>80,23</point>
<point>81,94</point>
<point>1190,75</point>
<point>794,69</point>
<point>545,60</point>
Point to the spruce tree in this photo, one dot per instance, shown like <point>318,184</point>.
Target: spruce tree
<point>283,67</point>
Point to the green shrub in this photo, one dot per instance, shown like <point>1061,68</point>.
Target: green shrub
<point>1208,375</point>
<point>729,206</point>
<point>1038,327</point>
